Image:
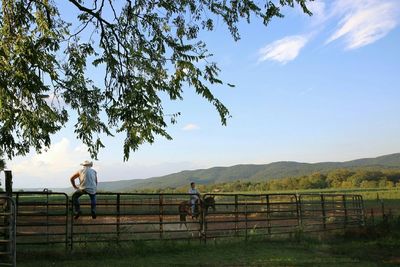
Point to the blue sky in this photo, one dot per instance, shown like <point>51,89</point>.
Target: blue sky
<point>308,89</point>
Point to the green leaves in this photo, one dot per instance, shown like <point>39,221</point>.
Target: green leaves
<point>144,47</point>
<point>28,44</point>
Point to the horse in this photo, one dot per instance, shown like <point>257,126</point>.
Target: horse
<point>185,208</point>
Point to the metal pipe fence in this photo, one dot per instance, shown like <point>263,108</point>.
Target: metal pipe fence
<point>7,231</point>
<point>47,217</point>
<point>133,216</point>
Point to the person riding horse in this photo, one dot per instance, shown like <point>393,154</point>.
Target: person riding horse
<point>185,208</point>
<point>195,205</point>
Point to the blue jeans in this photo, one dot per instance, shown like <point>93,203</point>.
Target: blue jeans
<point>75,199</point>
<point>193,206</point>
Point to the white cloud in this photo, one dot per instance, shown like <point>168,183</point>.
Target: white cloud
<point>50,168</point>
<point>364,21</point>
<point>190,127</point>
<point>283,50</point>
<point>82,148</point>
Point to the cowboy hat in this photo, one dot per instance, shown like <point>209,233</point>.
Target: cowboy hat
<point>87,163</point>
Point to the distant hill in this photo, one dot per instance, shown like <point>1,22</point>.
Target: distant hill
<point>249,172</point>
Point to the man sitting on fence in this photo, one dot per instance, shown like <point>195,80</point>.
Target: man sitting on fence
<point>194,197</point>
<point>87,185</point>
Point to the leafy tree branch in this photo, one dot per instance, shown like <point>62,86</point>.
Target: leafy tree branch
<point>145,47</point>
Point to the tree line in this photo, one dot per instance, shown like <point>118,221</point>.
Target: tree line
<point>340,179</point>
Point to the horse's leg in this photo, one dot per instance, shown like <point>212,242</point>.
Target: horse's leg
<point>182,219</point>
<point>201,219</point>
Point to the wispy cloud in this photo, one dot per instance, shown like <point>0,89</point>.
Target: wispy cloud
<point>318,8</point>
<point>364,21</point>
<point>283,50</point>
<point>357,22</point>
<point>190,127</point>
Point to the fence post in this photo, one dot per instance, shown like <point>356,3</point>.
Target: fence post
<point>66,219</point>
<point>47,215</point>
<point>345,211</point>
<point>8,178</point>
<point>204,227</point>
<point>236,215</point>
<point>323,211</point>
<point>71,210</point>
<point>268,216</point>
<point>245,220</point>
<point>363,213</point>
<point>372,216</point>
<point>161,212</point>
<point>299,211</point>
<point>14,232</point>
<point>118,215</point>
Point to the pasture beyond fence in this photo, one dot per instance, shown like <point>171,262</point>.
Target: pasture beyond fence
<point>47,218</point>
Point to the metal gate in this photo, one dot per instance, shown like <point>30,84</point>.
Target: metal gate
<point>7,231</point>
<point>251,214</point>
<point>42,217</point>
<point>321,212</point>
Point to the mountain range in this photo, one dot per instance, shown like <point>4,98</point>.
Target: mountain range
<point>249,172</point>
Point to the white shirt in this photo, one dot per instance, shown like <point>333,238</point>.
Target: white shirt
<point>193,191</point>
<point>88,180</point>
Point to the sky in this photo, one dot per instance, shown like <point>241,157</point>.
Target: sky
<point>307,89</point>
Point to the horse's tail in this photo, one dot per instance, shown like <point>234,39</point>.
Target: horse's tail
<point>182,212</point>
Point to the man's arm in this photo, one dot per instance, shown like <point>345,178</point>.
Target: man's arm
<point>73,177</point>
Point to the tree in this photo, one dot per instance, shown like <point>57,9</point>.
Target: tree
<point>145,47</point>
<point>368,184</point>
<point>317,180</point>
<point>337,177</point>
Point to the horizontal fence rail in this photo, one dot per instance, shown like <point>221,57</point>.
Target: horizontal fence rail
<point>7,231</point>
<point>47,217</point>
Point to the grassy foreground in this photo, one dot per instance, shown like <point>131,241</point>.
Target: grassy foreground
<point>377,245</point>
<point>372,246</point>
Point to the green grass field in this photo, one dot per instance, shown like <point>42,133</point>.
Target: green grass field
<point>374,248</point>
